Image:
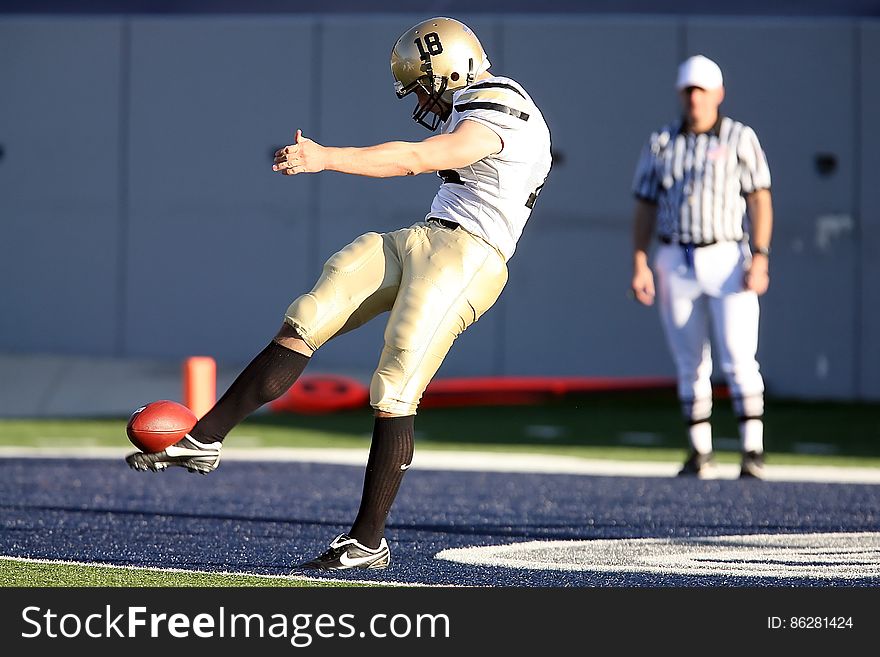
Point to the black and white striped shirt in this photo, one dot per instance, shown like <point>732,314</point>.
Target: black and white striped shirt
<point>698,181</point>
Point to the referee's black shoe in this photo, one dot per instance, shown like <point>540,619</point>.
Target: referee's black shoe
<point>701,466</point>
<point>346,553</point>
<point>752,466</point>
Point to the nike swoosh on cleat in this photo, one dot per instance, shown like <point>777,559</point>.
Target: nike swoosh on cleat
<point>405,466</point>
<point>351,562</point>
<point>183,451</point>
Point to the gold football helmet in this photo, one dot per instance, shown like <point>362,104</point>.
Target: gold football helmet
<point>438,55</point>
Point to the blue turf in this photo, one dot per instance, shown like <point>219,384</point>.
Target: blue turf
<point>264,517</point>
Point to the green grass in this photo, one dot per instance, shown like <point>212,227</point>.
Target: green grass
<point>636,426</point>
<point>43,574</point>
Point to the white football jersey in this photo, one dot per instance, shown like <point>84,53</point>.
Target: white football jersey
<point>493,198</point>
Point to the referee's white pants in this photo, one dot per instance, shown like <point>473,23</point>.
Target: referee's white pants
<point>699,292</point>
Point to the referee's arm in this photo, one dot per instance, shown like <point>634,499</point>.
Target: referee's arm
<point>643,229</point>
<point>760,208</point>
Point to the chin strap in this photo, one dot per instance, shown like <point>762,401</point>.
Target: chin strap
<point>426,67</point>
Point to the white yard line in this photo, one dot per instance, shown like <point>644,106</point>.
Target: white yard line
<point>480,461</point>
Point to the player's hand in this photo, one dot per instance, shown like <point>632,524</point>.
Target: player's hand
<point>303,156</point>
<point>757,276</point>
<point>643,285</point>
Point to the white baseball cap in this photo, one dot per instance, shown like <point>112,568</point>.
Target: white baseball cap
<point>699,71</point>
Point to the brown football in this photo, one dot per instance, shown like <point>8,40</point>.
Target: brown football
<point>157,425</point>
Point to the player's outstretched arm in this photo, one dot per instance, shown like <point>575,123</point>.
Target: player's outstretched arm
<point>468,143</point>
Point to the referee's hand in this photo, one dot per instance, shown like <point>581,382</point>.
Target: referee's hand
<point>643,286</point>
<point>757,277</point>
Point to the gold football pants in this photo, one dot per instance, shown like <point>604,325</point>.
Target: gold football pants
<point>435,281</point>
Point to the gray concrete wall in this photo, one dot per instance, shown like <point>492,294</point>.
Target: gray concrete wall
<point>867,327</point>
<point>141,218</point>
<point>60,209</point>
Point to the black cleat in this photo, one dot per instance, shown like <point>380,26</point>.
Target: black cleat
<point>701,466</point>
<point>346,553</point>
<point>187,453</point>
<point>752,465</point>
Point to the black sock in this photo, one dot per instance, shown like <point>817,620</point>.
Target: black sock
<point>391,453</point>
<point>268,376</point>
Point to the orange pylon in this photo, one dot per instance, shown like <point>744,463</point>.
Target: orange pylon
<point>199,384</point>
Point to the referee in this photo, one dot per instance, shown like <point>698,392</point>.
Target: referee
<point>702,184</point>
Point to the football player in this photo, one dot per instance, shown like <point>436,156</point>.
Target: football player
<point>435,277</point>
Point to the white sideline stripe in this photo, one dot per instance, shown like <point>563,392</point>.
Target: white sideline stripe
<point>480,461</point>
<point>97,564</point>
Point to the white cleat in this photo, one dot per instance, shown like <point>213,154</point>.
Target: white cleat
<point>187,453</point>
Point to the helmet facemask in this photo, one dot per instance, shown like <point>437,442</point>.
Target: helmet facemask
<point>434,87</point>
<point>434,101</point>
<point>436,58</point>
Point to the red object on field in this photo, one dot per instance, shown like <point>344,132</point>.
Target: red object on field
<point>315,395</point>
<point>521,390</point>
<point>329,393</point>
<point>157,425</point>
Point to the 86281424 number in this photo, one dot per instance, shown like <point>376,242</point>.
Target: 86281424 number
<point>810,623</point>
<point>819,622</point>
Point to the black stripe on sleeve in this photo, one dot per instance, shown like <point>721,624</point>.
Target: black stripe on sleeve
<point>475,105</point>
<point>495,85</point>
